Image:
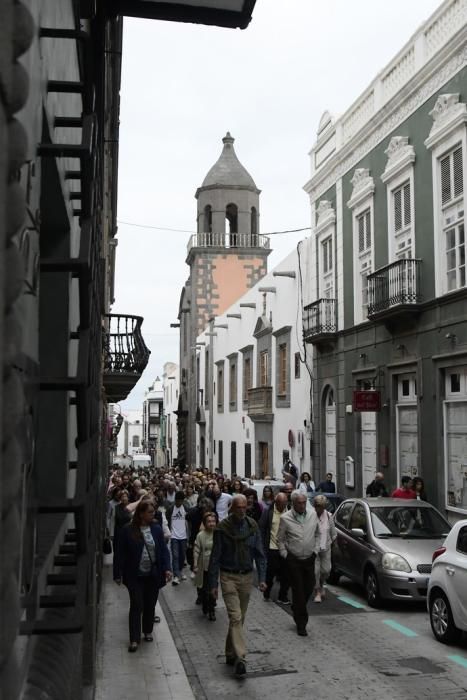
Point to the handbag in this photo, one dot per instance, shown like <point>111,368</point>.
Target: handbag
<point>107,545</point>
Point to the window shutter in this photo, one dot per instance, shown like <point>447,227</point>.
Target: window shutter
<point>361,234</point>
<point>445,179</point>
<point>407,210</point>
<point>397,210</point>
<point>457,172</point>
<point>368,229</point>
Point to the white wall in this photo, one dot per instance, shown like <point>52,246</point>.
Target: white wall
<point>286,309</point>
<point>170,382</point>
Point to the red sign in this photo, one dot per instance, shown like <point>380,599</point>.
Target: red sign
<point>366,401</point>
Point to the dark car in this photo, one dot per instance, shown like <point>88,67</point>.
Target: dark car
<point>387,545</point>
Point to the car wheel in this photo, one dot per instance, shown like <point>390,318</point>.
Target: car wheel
<point>372,589</point>
<point>441,620</point>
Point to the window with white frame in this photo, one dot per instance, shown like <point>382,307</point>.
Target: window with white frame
<point>452,207</point>
<point>327,286</point>
<point>363,231</point>
<point>455,438</point>
<point>402,221</point>
<point>448,143</point>
<point>325,237</point>
<point>361,203</point>
<point>407,426</point>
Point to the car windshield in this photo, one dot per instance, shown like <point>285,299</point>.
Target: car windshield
<point>408,521</point>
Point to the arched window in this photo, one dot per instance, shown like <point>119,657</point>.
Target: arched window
<point>207,219</point>
<point>254,221</point>
<point>231,218</point>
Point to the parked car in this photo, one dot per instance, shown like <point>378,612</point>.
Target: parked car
<point>387,545</point>
<point>447,590</point>
<point>259,484</point>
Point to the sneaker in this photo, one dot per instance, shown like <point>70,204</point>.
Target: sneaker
<point>175,581</point>
<point>317,598</point>
<point>283,602</point>
<point>240,668</point>
<point>183,577</point>
<point>192,574</point>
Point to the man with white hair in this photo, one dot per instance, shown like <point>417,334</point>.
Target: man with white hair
<point>298,539</point>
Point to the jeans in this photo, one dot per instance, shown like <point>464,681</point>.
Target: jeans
<point>178,555</point>
<point>302,583</point>
<point>236,590</point>
<point>143,598</point>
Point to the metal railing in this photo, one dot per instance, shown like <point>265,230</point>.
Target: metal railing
<point>125,351</point>
<point>228,240</point>
<point>260,400</point>
<point>319,318</point>
<point>396,284</point>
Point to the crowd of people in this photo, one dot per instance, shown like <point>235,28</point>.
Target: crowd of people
<point>169,525</point>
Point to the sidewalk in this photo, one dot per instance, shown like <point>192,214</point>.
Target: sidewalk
<point>155,671</point>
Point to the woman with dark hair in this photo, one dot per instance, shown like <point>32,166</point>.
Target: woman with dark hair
<point>268,496</point>
<point>145,565</point>
<point>253,508</point>
<point>307,485</point>
<point>237,487</point>
<point>418,485</point>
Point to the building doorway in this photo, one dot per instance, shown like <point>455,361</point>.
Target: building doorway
<point>330,441</point>
<point>369,462</point>
<point>247,459</point>
<point>264,459</point>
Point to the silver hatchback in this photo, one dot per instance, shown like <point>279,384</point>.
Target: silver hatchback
<point>387,544</point>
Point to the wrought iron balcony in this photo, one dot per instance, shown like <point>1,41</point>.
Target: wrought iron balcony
<point>260,404</point>
<point>319,321</point>
<point>125,355</point>
<point>394,289</point>
<point>228,240</point>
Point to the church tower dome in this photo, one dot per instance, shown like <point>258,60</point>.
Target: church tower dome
<point>228,199</point>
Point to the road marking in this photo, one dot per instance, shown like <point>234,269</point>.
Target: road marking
<point>400,628</point>
<point>461,660</point>
<point>351,601</point>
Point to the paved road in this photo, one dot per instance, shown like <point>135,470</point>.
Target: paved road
<point>351,652</point>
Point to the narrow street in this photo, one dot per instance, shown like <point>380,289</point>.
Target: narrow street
<point>351,652</point>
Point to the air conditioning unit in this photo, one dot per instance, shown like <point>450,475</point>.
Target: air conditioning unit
<point>300,440</point>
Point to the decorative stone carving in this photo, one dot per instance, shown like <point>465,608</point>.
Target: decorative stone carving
<point>325,215</point>
<point>448,114</point>
<point>363,187</point>
<point>400,154</point>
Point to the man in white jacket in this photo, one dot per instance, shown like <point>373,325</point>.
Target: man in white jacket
<point>298,541</point>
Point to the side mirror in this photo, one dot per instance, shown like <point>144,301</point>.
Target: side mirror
<point>357,532</point>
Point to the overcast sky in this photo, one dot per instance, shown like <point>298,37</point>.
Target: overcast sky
<point>184,86</point>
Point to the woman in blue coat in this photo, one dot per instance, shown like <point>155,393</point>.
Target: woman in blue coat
<point>145,566</point>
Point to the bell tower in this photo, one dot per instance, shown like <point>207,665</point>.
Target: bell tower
<point>227,256</point>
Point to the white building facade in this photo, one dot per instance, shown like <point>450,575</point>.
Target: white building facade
<point>130,436</point>
<point>153,409</point>
<point>170,387</point>
<point>253,382</point>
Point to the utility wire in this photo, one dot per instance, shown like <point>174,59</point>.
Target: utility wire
<point>180,230</point>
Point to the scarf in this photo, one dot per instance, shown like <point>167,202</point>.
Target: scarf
<point>239,538</point>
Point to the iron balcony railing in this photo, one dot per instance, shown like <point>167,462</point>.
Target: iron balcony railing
<point>125,354</point>
<point>228,240</point>
<point>260,401</point>
<point>319,319</point>
<point>394,285</point>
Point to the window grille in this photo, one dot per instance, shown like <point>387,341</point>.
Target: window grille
<point>364,231</point>
<point>452,178</point>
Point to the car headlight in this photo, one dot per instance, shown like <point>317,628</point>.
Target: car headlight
<point>395,562</point>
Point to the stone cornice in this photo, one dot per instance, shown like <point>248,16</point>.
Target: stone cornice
<point>400,155</point>
<point>422,86</point>
<point>448,114</point>
<point>326,216</point>
<point>363,187</point>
